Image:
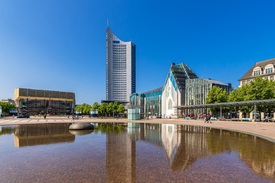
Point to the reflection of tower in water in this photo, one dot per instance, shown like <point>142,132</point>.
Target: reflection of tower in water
<point>120,158</point>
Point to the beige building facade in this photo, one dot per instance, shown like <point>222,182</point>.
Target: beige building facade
<point>34,102</point>
<point>265,69</point>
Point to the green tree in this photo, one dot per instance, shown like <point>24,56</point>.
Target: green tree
<point>87,109</point>
<point>84,108</point>
<point>95,105</point>
<point>216,95</point>
<point>102,109</point>
<point>240,94</point>
<point>120,108</point>
<point>244,96</point>
<point>110,108</point>
<point>234,96</point>
<point>115,106</point>
<point>6,107</point>
<point>257,90</point>
<point>261,89</point>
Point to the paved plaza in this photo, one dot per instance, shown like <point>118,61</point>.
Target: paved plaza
<point>261,129</point>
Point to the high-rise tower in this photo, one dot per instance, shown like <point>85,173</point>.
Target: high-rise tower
<point>120,68</point>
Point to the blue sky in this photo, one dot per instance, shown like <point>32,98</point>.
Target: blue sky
<point>60,44</point>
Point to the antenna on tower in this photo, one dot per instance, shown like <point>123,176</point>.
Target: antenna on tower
<point>107,22</point>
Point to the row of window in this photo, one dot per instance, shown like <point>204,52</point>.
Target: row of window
<point>119,46</point>
<point>267,71</point>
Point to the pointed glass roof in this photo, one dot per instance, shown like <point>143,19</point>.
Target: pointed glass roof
<point>178,74</point>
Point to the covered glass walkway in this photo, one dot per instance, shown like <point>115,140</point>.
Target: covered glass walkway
<point>254,103</point>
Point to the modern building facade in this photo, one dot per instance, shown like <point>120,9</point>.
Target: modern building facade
<point>182,87</point>
<point>196,91</point>
<point>174,89</point>
<point>34,102</point>
<point>264,69</point>
<point>120,68</point>
<point>149,102</point>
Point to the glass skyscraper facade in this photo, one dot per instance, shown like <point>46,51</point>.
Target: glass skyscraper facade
<point>120,68</point>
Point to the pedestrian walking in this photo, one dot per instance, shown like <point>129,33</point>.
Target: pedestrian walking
<point>208,119</point>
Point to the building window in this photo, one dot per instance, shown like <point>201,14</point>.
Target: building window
<point>268,70</point>
<point>170,104</point>
<point>257,73</point>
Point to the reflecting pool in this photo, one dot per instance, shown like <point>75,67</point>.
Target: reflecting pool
<point>133,152</point>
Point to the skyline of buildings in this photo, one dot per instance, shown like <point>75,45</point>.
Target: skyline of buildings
<point>121,76</point>
<point>120,68</point>
<point>57,52</point>
<point>182,87</point>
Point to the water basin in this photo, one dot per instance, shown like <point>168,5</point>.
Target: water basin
<point>133,153</point>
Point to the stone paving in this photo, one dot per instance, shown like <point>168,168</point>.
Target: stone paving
<point>262,129</point>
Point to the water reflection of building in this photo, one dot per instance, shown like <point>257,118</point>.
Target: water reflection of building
<point>40,134</point>
<point>184,145</point>
<point>256,153</point>
<point>152,134</point>
<point>120,157</point>
<point>264,168</point>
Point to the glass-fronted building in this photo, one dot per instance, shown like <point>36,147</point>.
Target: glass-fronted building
<point>182,87</point>
<point>152,102</point>
<point>196,90</point>
<point>149,102</point>
<point>34,102</point>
